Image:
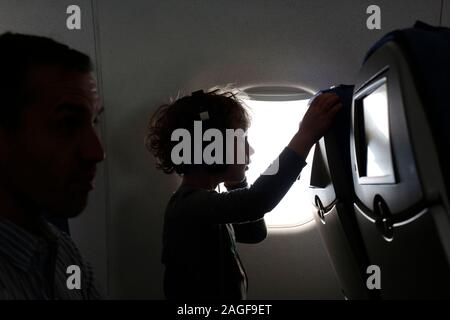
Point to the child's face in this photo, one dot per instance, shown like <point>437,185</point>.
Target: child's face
<point>236,171</point>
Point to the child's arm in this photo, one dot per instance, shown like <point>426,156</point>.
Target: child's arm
<point>246,204</point>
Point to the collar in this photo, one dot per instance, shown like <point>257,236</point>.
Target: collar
<point>20,246</point>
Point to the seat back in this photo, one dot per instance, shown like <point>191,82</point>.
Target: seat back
<point>332,196</point>
<point>400,138</point>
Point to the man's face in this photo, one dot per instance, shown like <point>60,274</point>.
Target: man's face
<point>50,160</point>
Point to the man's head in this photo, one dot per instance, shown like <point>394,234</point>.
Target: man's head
<point>49,147</point>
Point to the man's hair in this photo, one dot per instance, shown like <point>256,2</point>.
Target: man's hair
<point>19,53</point>
<point>225,111</point>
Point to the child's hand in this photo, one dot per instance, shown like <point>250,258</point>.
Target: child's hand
<point>316,122</point>
<point>319,117</point>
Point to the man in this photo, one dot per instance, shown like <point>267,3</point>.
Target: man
<point>49,150</point>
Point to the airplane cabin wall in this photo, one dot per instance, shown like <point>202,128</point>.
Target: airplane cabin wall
<point>445,13</point>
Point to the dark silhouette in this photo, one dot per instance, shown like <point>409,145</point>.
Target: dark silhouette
<point>49,150</point>
<point>201,226</point>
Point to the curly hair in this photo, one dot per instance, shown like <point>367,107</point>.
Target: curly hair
<point>225,109</point>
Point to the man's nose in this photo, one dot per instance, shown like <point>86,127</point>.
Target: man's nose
<point>92,147</point>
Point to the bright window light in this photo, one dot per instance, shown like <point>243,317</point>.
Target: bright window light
<point>273,125</point>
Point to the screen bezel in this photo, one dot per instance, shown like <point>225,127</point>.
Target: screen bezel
<point>360,136</point>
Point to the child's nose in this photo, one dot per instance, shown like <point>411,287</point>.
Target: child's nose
<point>250,150</point>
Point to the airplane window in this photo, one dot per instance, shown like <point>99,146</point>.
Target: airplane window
<point>273,125</point>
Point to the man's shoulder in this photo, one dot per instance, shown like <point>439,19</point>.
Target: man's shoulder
<point>69,255</point>
<point>67,248</point>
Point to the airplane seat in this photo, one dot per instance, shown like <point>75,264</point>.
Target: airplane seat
<point>332,195</point>
<point>400,139</point>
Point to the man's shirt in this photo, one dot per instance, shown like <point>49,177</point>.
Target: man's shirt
<point>33,267</point>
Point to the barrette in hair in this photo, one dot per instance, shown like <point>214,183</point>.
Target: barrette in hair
<point>204,115</point>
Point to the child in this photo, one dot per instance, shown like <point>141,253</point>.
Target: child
<point>201,226</point>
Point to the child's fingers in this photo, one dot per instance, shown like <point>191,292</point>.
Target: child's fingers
<point>326,100</point>
<point>335,109</point>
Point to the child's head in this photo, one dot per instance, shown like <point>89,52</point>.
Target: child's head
<point>213,110</point>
